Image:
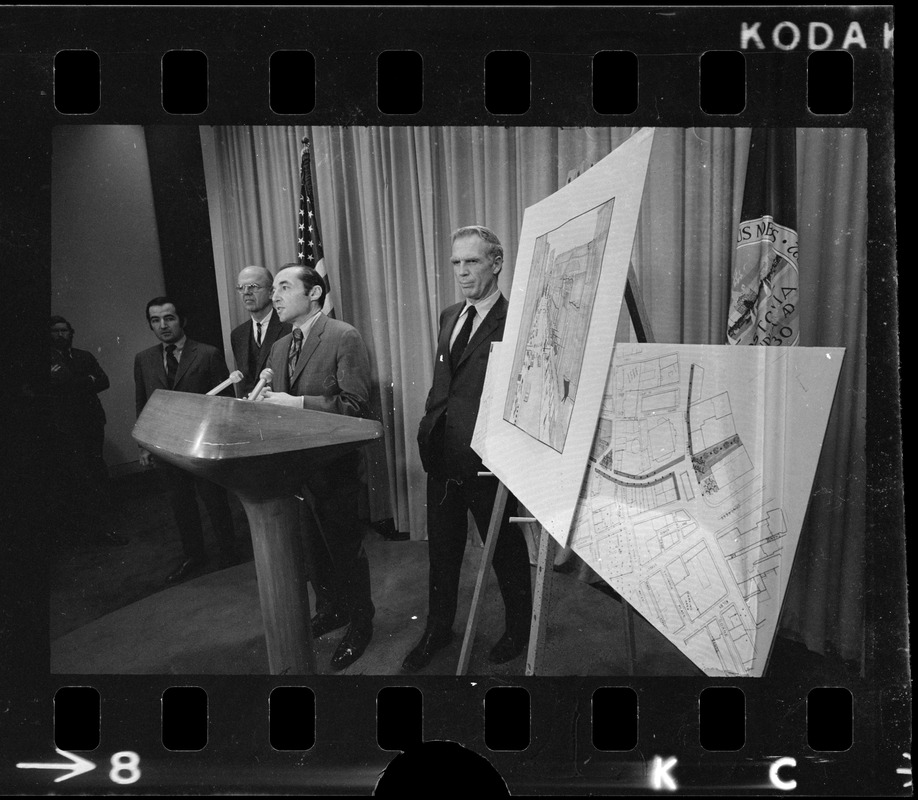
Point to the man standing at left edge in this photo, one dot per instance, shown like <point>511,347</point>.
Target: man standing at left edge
<point>183,365</point>
<point>322,365</point>
<point>76,379</point>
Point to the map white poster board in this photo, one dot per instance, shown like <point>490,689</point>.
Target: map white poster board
<point>697,486</point>
<point>549,374</point>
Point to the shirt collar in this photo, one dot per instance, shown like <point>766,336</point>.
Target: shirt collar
<point>308,325</point>
<point>267,319</point>
<point>482,307</point>
<point>179,345</point>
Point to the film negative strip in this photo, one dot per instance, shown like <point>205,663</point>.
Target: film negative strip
<point>134,150</point>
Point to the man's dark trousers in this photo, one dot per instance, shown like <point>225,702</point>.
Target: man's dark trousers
<point>181,488</point>
<point>447,500</point>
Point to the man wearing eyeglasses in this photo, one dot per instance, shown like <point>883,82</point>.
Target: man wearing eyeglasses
<point>253,339</point>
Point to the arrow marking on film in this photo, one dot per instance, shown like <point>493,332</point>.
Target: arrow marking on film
<point>77,765</point>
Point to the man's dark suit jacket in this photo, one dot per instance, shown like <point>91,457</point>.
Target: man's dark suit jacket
<point>200,370</point>
<point>332,373</point>
<point>250,361</point>
<point>447,442</point>
<point>74,389</point>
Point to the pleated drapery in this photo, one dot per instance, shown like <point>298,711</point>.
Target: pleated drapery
<point>388,199</point>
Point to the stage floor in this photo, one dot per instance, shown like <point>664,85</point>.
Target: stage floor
<point>212,625</point>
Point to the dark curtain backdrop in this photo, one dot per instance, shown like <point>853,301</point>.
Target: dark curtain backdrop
<point>389,198</point>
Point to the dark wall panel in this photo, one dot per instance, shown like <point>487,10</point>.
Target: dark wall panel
<point>180,198</point>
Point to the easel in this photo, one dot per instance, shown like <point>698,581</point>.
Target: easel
<point>547,546</point>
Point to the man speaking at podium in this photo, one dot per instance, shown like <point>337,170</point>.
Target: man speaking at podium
<point>444,439</point>
<point>322,365</point>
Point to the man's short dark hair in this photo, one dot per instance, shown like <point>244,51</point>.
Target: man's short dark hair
<point>310,277</point>
<point>495,248</point>
<point>161,301</point>
<point>56,320</point>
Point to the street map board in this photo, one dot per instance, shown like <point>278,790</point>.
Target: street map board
<point>697,486</point>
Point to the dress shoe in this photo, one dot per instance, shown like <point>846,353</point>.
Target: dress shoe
<point>508,647</point>
<point>433,640</point>
<point>188,569</point>
<point>353,644</point>
<point>326,622</point>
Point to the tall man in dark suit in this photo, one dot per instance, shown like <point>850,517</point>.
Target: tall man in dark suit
<point>322,365</point>
<point>183,365</point>
<point>444,438</point>
<point>253,339</point>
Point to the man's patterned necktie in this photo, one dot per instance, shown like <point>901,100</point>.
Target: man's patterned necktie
<point>296,344</point>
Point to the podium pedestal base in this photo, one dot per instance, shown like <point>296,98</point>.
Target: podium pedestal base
<point>281,570</point>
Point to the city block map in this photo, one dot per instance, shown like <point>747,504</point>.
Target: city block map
<point>696,488</point>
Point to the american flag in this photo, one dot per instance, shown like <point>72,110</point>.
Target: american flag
<point>309,240</point>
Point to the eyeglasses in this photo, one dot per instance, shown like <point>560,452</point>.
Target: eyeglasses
<point>249,287</point>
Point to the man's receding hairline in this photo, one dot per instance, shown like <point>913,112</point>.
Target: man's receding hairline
<point>494,247</point>
<point>264,272</point>
<point>278,279</point>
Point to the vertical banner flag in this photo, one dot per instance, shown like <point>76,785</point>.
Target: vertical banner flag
<point>764,295</point>
<point>308,238</point>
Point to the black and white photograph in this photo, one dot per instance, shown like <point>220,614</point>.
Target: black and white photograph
<point>149,580</point>
<point>556,448</point>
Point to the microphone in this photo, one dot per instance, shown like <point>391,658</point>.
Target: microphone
<point>235,377</point>
<point>266,375</point>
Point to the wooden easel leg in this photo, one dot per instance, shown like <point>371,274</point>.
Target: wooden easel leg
<point>471,627</point>
<point>628,617</point>
<point>545,574</point>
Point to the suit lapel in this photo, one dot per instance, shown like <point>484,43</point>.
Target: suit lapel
<point>279,365</point>
<point>189,353</point>
<point>249,350</point>
<point>158,367</point>
<point>488,325</point>
<point>446,332</point>
<point>267,341</point>
<point>309,347</point>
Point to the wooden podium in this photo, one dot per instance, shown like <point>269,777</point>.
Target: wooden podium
<point>262,452</point>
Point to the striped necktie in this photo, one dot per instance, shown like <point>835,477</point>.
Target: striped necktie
<point>296,344</point>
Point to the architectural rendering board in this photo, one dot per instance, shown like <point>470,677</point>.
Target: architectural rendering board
<point>563,278</point>
<point>571,268</point>
<point>697,486</point>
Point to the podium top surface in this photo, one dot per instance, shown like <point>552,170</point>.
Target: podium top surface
<point>200,427</point>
